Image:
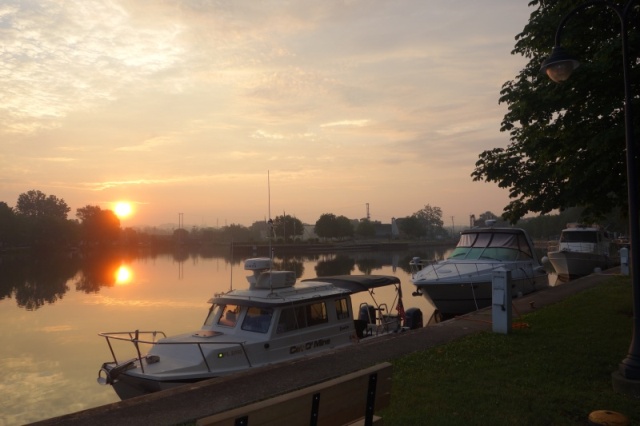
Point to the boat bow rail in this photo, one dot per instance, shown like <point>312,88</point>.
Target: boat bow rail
<point>580,247</point>
<point>135,338</point>
<point>466,269</point>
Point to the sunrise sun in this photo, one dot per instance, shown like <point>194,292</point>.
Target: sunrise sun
<point>122,209</point>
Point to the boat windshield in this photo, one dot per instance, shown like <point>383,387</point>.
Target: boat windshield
<point>496,245</point>
<point>227,315</point>
<point>257,319</point>
<point>579,237</point>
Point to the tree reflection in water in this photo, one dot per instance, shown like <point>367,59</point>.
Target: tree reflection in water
<point>36,280</point>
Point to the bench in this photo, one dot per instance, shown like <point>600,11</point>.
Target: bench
<point>348,400</point>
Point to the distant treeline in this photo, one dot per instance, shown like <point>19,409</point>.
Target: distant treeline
<point>41,221</point>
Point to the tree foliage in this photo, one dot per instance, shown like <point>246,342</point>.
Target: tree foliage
<point>567,141</point>
<point>37,204</point>
<point>43,220</point>
<point>425,223</point>
<point>287,227</point>
<point>98,226</point>
<point>332,226</point>
<point>365,229</point>
<point>412,227</point>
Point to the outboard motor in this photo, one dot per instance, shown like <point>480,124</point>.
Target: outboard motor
<point>413,318</point>
<point>367,313</point>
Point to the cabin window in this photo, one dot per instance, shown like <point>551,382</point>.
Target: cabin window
<point>579,237</point>
<point>342,309</point>
<point>466,240</point>
<point>302,316</point>
<point>291,319</point>
<point>317,313</point>
<point>257,319</point>
<point>498,246</point>
<point>210,316</point>
<point>229,315</point>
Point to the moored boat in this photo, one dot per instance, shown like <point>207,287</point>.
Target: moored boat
<point>463,282</point>
<point>581,250</point>
<point>274,320</point>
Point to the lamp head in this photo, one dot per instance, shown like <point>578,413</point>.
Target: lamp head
<point>559,65</point>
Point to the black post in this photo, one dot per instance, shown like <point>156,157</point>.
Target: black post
<point>627,378</point>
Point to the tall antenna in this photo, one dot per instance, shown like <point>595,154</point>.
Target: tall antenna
<point>269,192</point>
<point>270,230</point>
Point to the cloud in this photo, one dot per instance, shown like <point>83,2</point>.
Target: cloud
<point>59,57</point>
<point>347,123</point>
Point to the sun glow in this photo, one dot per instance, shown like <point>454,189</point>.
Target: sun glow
<point>122,209</point>
<point>124,275</point>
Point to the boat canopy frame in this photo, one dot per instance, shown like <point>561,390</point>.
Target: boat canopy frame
<point>358,283</point>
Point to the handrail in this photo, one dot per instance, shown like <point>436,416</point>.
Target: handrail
<point>134,338</point>
<point>472,268</point>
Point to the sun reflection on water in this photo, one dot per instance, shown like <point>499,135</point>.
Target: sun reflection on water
<point>124,275</point>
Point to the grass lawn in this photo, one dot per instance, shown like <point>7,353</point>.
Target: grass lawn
<point>553,371</point>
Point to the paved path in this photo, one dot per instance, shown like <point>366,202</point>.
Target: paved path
<point>191,402</point>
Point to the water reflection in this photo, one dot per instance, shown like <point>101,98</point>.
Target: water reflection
<point>37,281</point>
<point>34,282</point>
<point>52,308</point>
<point>124,275</point>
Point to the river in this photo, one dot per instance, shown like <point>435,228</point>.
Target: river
<point>52,308</point>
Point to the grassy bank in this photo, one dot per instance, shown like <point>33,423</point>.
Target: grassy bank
<point>553,369</point>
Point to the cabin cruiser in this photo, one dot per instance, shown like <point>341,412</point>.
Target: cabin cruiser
<point>463,282</point>
<point>274,320</point>
<point>581,250</point>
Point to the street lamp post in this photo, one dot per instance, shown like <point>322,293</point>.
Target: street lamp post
<point>558,67</point>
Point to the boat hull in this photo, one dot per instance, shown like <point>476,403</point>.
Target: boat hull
<point>129,386</point>
<point>577,264</point>
<point>452,299</point>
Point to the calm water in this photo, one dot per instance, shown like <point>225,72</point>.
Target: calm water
<point>51,309</point>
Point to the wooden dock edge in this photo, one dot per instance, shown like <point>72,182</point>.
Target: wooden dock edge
<point>348,400</point>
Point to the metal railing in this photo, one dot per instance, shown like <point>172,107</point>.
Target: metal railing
<point>579,247</point>
<point>466,269</point>
<point>134,338</point>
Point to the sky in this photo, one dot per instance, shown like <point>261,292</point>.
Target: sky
<point>221,112</point>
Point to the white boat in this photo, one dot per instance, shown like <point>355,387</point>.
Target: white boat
<point>463,282</point>
<point>581,250</point>
<point>274,320</point>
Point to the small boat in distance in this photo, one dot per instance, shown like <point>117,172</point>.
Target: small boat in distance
<point>463,282</point>
<point>274,320</point>
<point>581,250</point>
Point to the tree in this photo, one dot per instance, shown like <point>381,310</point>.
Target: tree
<point>37,204</point>
<point>332,226</point>
<point>324,227</point>
<point>567,142</point>
<point>365,229</point>
<point>287,227</point>
<point>44,219</point>
<point>344,227</point>
<point>98,226</point>
<point>9,229</point>
<point>412,227</point>
<point>431,218</point>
